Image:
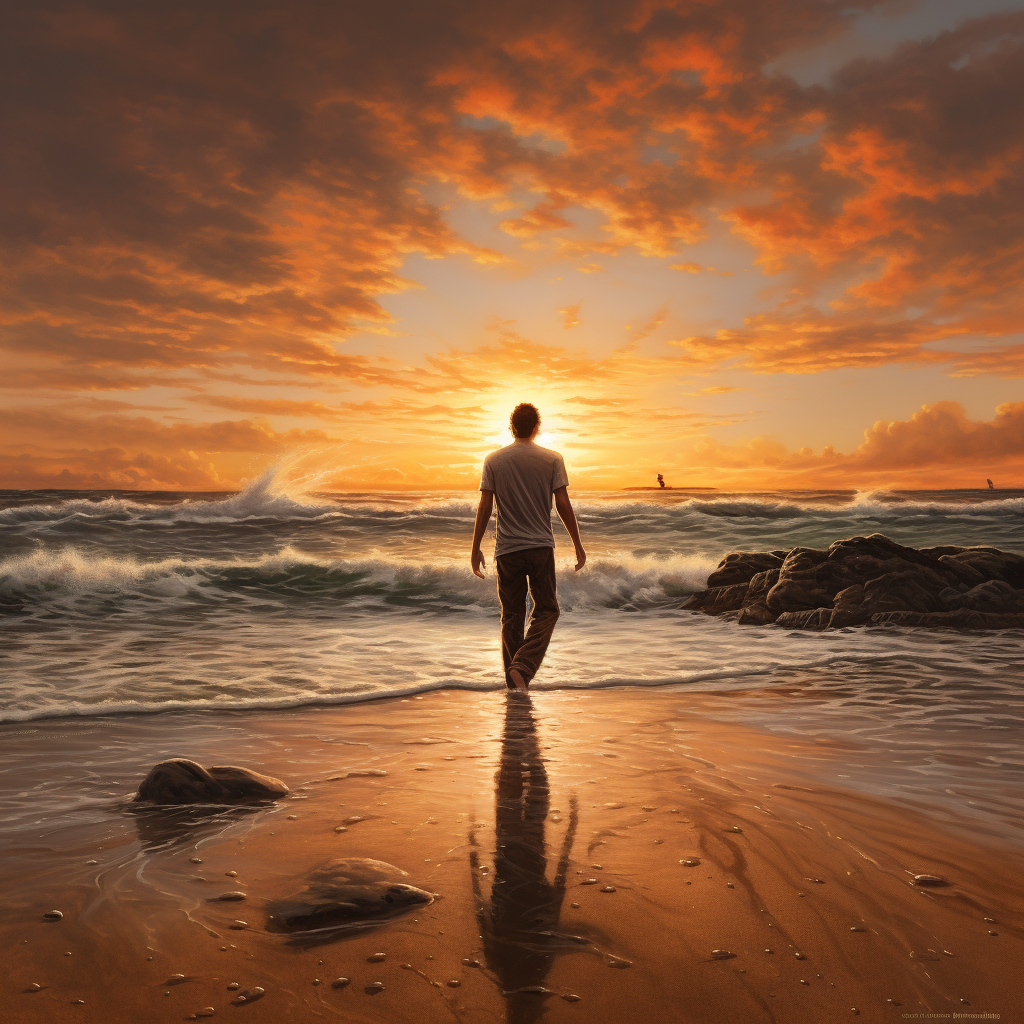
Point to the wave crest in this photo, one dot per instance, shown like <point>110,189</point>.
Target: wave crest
<point>54,576</point>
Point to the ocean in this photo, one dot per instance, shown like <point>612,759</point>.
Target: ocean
<point>118,602</point>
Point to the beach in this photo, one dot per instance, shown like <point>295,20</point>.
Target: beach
<point>681,794</point>
<point>588,852</point>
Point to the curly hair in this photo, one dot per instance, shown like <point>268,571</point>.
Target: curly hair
<point>524,420</point>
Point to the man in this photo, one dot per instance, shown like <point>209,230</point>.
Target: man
<point>523,477</point>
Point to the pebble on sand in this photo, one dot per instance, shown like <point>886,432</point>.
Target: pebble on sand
<point>341,828</point>
<point>375,986</point>
<point>589,881</point>
<point>206,1011</point>
<point>53,915</point>
<point>608,888</point>
<point>175,979</point>
<point>34,987</point>
<point>620,963</point>
<point>231,874</point>
<point>690,862</point>
<point>377,958</point>
<point>339,982</point>
<point>92,862</point>
<point>734,828</point>
<point>454,983</point>
<point>227,897</point>
<point>195,860</point>
<point>571,997</point>
<point>930,880</point>
<point>799,956</point>
<point>856,929</point>
<point>352,819</point>
<point>722,954</point>
<point>234,986</point>
<point>250,995</point>
<point>239,925</point>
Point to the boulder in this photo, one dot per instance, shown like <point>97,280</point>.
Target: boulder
<point>991,596</point>
<point>180,781</point>
<point>718,599</point>
<point>809,618</point>
<point>742,566</point>
<point>993,564</point>
<point>806,580</point>
<point>349,891</point>
<point>858,579</point>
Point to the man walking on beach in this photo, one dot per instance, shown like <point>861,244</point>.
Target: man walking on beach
<point>524,477</point>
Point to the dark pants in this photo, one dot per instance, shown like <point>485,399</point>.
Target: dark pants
<point>537,565</point>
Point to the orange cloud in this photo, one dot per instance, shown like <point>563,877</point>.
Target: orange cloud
<point>939,446</point>
<point>196,197</point>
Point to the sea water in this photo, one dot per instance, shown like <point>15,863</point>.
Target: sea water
<point>118,602</point>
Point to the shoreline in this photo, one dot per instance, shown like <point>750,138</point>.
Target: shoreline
<point>634,781</point>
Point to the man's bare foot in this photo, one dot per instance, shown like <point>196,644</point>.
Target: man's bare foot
<point>518,683</point>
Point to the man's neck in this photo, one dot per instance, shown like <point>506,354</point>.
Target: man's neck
<point>522,440</point>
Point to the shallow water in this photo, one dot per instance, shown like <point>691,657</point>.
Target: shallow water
<point>156,601</point>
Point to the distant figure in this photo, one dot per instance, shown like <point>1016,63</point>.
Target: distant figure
<point>661,480</point>
<point>991,486</point>
<point>523,477</point>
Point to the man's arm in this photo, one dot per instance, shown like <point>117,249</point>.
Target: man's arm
<point>564,509</point>
<point>483,515</point>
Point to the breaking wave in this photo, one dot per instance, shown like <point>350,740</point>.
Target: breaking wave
<point>45,577</point>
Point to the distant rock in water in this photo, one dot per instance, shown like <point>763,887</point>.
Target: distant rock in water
<point>347,891</point>
<point>180,781</point>
<point>864,580</point>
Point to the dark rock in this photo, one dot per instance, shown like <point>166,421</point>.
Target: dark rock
<point>757,589</point>
<point>805,581</point>
<point>964,574</point>
<point>991,596</point>
<point>718,599</point>
<point>347,892</point>
<point>741,567</point>
<point>810,618</point>
<point>180,781</point>
<point>755,615</point>
<point>868,579</point>
<point>993,564</point>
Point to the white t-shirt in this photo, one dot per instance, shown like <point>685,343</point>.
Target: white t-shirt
<point>523,478</point>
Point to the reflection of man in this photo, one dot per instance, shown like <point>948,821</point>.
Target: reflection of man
<point>519,919</point>
<point>523,477</point>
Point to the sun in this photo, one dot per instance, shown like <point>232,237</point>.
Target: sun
<point>500,409</point>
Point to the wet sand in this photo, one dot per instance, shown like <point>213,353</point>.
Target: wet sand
<point>555,833</point>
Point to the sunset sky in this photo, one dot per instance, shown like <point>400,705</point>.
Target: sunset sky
<point>746,244</point>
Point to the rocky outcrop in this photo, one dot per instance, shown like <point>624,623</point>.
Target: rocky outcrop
<point>863,580</point>
<point>180,781</point>
<point>347,892</point>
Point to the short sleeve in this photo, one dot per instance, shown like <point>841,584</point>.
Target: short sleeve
<point>559,477</point>
<point>487,477</point>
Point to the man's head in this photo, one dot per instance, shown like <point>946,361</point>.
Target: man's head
<point>524,421</point>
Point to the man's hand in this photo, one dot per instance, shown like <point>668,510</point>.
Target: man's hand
<point>477,560</point>
<point>564,509</point>
<point>483,515</point>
